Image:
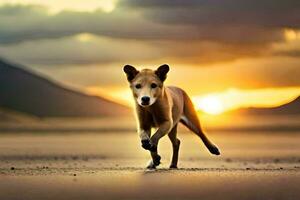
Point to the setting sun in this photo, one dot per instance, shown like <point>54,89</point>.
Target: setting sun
<point>210,104</point>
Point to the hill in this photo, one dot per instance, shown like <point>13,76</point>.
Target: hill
<point>291,108</point>
<point>24,91</point>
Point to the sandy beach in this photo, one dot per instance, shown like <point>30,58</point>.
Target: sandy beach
<point>112,166</point>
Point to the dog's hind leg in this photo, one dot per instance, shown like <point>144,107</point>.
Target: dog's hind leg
<point>176,144</point>
<point>191,121</point>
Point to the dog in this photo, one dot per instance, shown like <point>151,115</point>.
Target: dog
<point>161,107</point>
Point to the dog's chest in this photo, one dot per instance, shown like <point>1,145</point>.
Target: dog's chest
<point>156,119</point>
<point>155,122</point>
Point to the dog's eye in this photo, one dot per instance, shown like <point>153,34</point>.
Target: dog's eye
<point>153,85</point>
<point>138,86</point>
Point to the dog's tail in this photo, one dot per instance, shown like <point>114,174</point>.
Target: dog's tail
<point>191,121</point>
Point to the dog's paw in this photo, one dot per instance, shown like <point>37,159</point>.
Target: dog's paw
<point>172,166</point>
<point>214,150</point>
<point>156,160</point>
<point>151,165</point>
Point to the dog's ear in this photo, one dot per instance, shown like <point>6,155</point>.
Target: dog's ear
<point>130,71</point>
<point>162,71</point>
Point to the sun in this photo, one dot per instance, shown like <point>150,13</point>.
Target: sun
<point>210,105</point>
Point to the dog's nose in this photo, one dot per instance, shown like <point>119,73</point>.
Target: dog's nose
<point>145,100</point>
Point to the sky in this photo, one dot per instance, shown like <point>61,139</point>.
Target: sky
<point>225,54</point>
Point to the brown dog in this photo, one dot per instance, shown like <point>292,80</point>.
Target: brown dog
<point>163,108</point>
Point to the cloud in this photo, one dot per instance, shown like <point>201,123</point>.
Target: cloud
<point>59,5</point>
<point>22,23</point>
<point>234,21</point>
<point>231,21</point>
<point>194,32</point>
<point>80,49</point>
<point>87,48</point>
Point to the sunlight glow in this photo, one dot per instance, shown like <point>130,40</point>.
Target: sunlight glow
<point>209,104</point>
<point>84,37</point>
<point>291,35</point>
<point>233,98</point>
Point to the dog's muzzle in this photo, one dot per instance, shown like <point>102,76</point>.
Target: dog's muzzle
<point>145,101</point>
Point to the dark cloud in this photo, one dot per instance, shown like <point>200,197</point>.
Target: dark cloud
<point>270,13</point>
<point>226,21</point>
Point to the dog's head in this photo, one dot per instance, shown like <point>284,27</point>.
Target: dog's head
<point>147,84</point>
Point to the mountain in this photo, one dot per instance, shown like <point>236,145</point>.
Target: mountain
<point>291,108</point>
<point>24,91</point>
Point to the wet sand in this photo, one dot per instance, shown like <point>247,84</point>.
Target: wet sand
<point>112,166</point>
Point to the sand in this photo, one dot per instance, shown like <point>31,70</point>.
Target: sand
<point>112,166</point>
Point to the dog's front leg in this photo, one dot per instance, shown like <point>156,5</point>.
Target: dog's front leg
<point>144,134</point>
<point>145,138</point>
<point>164,128</point>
